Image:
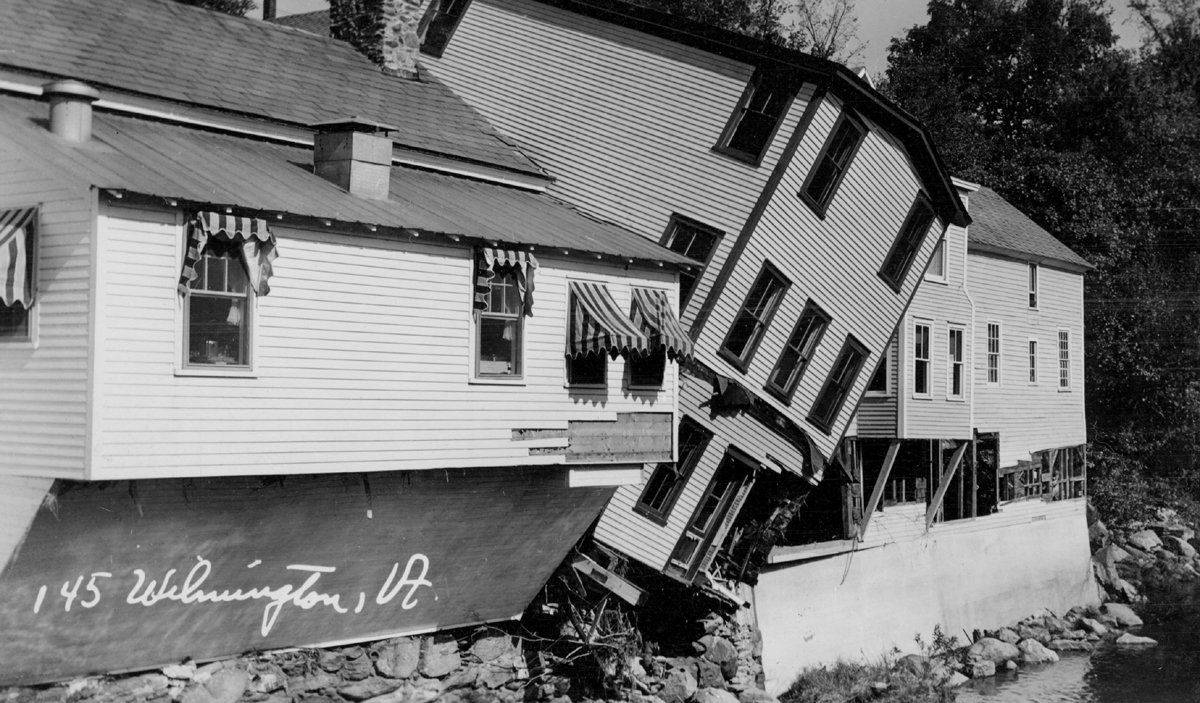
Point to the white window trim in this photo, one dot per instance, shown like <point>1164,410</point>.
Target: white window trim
<point>1058,357</point>
<point>928,394</point>
<point>999,353</point>
<point>889,369</point>
<point>473,377</point>
<point>1033,283</point>
<point>940,249</point>
<point>34,313</point>
<point>1031,357</point>
<point>962,363</point>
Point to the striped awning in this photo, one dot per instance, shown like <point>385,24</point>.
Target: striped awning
<point>16,230</point>
<point>652,313</point>
<point>490,259</point>
<point>256,239</point>
<point>597,325</point>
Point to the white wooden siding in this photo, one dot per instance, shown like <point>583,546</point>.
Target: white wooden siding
<point>363,362</point>
<point>1029,418</point>
<point>832,261</point>
<point>44,386</point>
<point>876,416</point>
<point>624,121</point>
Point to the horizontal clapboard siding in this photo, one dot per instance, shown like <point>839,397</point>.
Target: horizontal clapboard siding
<point>832,261</point>
<point>876,416</point>
<point>625,122</point>
<point>44,386</point>
<point>651,543</point>
<point>363,362</point>
<point>1028,417</point>
<point>943,305</point>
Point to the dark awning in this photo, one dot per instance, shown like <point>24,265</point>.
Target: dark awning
<point>488,259</point>
<point>256,240</point>
<point>651,312</point>
<point>597,324</point>
<point>15,283</point>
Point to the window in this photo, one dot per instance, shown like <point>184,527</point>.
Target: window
<point>908,242</point>
<point>1033,376</point>
<point>798,351</point>
<point>695,241</point>
<point>841,379</point>
<point>878,385</point>
<point>921,359</point>
<point>1033,285</point>
<point>668,479</point>
<point>587,369</point>
<point>440,21</point>
<point>500,328</point>
<point>218,308</point>
<point>1064,359</point>
<point>17,273</point>
<point>755,315</point>
<point>955,364</point>
<point>753,124</point>
<point>831,166</point>
<point>937,264</point>
<point>993,353</point>
<point>647,370</point>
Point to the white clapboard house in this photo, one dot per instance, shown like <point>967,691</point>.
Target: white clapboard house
<point>285,345</point>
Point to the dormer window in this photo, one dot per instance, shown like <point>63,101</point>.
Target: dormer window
<point>831,166</point>
<point>756,119</point>
<point>439,23</point>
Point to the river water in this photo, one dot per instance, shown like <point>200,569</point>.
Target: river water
<point>1167,673</point>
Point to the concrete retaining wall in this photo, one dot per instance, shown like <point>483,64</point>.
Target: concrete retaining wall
<point>981,573</point>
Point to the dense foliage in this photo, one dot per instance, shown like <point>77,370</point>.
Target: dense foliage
<point>238,8</point>
<point>1101,147</point>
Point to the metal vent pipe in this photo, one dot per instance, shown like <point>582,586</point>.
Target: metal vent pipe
<point>71,109</point>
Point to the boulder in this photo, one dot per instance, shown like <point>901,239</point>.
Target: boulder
<point>330,660</point>
<point>493,677</point>
<point>491,646</point>
<point>357,668</point>
<point>1033,633</point>
<point>714,695</point>
<point>1136,640</point>
<point>1057,626</point>
<point>915,664</point>
<point>397,658</point>
<point>1010,665</point>
<point>1007,636</point>
<point>756,695</point>
<point>224,686</point>
<point>1094,626</point>
<point>1181,547</point>
<point>956,679</point>
<point>1033,652</point>
<point>1123,614</point>
<point>1071,646</point>
<point>1127,591</point>
<point>993,650</point>
<point>1098,535</point>
<point>1145,540</point>
<point>368,688</point>
<point>439,656</point>
<point>983,669</point>
<point>1118,553</point>
<point>709,674</point>
<point>678,687</point>
<point>719,651</point>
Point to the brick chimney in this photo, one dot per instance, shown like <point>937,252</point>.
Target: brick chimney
<point>355,154</point>
<point>389,32</point>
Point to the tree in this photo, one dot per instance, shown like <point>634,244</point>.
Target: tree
<point>829,29</point>
<point>238,8</point>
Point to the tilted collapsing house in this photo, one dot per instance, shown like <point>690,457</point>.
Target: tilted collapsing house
<point>275,373</point>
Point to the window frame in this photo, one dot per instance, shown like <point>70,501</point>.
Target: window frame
<point>760,76</point>
<point>956,364</point>
<point>850,345</point>
<point>249,369</point>
<point>1034,374</point>
<point>939,254</point>
<point>741,363</point>
<point>685,467</point>
<point>476,339</point>
<point>999,353</point>
<point>927,394</point>
<point>822,319</point>
<point>29,340</point>
<point>631,361</point>
<point>887,367</point>
<point>1033,286</point>
<point>909,233</point>
<point>676,222</point>
<point>820,206</point>
<point>437,51</point>
<point>569,382</point>
<point>1064,359</point>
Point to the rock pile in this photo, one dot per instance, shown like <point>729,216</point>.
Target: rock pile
<point>1122,558</point>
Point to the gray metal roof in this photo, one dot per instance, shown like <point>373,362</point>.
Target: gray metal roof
<point>998,227</point>
<point>186,54</point>
<point>203,167</point>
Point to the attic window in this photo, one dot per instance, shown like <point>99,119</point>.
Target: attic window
<point>441,19</point>
<point>831,166</point>
<point>756,119</point>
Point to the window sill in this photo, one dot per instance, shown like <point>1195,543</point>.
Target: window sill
<point>736,362</point>
<point>17,344</point>
<point>939,281</point>
<point>739,156</point>
<point>653,516</point>
<point>586,386</point>
<point>922,396</point>
<point>876,394</point>
<point>956,399</point>
<point>645,389</point>
<point>217,372</point>
<point>497,381</point>
<point>1064,390</point>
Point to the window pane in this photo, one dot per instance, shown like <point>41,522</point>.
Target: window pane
<point>499,346</point>
<point>788,362</point>
<point>648,370</point>
<point>14,322</point>
<point>937,266</point>
<point>216,330</point>
<point>587,369</point>
<point>878,383</point>
<point>745,328</point>
<point>752,133</point>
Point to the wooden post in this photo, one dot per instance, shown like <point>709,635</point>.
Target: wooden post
<point>877,492</point>
<point>936,503</point>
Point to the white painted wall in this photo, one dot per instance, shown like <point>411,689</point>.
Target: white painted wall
<point>962,575</point>
<point>364,351</point>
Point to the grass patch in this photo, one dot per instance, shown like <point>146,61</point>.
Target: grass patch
<point>846,682</point>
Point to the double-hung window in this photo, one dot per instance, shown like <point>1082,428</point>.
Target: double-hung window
<point>837,386</point>
<point>754,317</point>
<point>668,479</point>
<point>218,307</point>
<point>1064,359</point>
<point>1033,366</point>
<point>756,119</point>
<point>798,351</point>
<point>1033,286</point>
<point>695,241</point>
<point>831,166</point>
<point>17,267</point>
<point>501,326</point>
<point>993,353</point>
<point>954,365</point>
<point>908,243</point>
<point>921,363</point>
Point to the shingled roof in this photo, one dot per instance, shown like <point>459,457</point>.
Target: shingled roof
<point>312,22</point>
<point>1000,228</point>
<point>189,55</point>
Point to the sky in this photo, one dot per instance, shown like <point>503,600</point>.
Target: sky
<point>878,22</point>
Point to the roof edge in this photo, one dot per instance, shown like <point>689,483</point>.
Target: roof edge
<point>1055,262</point>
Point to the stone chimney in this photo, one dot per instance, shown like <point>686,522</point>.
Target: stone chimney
<point>389,32</point>
<point>71,109</point>
<point>355,154</point>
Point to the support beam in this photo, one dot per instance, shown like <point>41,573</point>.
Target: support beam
<point>877,492</point>
<point>944,483</point>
